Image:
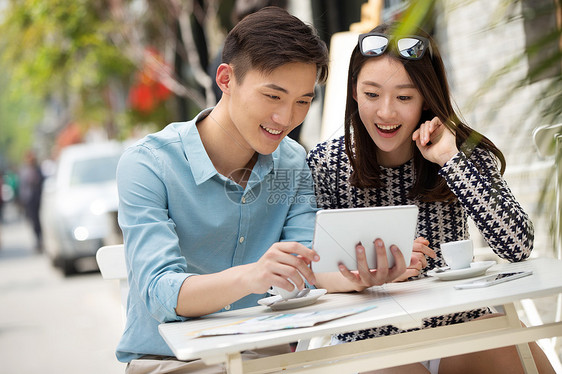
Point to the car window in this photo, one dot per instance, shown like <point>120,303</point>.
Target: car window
<point>94,170</point>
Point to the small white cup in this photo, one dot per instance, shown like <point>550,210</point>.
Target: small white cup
<point>285,295</point>
<point>459,254</point>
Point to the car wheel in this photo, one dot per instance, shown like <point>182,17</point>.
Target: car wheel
<point>67,266</point>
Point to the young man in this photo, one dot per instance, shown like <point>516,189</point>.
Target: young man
<point>216,210</point>
<point>213,209</point>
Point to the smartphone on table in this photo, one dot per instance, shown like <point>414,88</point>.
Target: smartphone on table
<point>493,279</point>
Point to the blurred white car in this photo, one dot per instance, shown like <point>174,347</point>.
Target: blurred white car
<point>79,203</point>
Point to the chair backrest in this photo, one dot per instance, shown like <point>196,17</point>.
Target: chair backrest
<point>544,138</point>
<point>111,261</point>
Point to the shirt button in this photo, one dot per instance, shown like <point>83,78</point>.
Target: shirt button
<point>241,239</point>
<point>243,200</point>
<point>227,307</point>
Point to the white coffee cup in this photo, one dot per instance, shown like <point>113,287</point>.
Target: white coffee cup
<point>459,254</point>
<point>286,295</point>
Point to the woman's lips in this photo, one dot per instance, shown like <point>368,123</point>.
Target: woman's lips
<point>387,130</point>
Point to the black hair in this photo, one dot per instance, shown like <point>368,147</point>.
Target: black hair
<point>270,38</point>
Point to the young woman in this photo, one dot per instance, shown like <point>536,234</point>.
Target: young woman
<point>404,144</point>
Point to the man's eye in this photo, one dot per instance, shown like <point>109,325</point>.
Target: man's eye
<point>273,97</point>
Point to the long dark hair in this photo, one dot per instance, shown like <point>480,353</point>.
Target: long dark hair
<point>428,75</point>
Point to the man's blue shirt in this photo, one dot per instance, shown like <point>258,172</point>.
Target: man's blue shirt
<point>180,217</point>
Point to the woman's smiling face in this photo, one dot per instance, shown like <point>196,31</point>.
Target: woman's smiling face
<point>390,108</point>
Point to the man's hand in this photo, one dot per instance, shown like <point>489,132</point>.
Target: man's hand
<point>281,262</point>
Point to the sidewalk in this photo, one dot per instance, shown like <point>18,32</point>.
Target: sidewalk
<point>49,323</point>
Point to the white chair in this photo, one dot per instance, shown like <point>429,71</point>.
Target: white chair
<point>111,261</point>
<point>544,138</point>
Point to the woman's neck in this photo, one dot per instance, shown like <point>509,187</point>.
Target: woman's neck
<point>394,159</point>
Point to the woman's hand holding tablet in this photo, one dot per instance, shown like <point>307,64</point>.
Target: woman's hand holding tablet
<point>338,231</point>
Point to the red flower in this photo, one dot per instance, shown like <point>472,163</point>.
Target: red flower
<point>148,92</point>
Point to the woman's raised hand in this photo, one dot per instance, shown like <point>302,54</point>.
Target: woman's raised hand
<point>435,141</point>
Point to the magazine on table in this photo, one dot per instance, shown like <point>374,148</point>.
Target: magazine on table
<point>280,321</point>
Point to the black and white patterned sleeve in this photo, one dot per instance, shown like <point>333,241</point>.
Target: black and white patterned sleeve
<point>319,160</point>
<point>486,198</point>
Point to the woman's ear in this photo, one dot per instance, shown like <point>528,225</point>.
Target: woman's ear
<point>224,77</point>
<point>354,90</point>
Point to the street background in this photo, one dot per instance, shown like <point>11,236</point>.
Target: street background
<point>49,323</point>
<point>93,71</point>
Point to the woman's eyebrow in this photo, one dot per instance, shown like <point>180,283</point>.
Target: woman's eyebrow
<point>375,84</point>
<point>407,85</point>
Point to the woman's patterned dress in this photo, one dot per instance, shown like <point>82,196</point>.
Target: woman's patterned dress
<point>482,194</point>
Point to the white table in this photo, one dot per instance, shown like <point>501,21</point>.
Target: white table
<point>401,304</point>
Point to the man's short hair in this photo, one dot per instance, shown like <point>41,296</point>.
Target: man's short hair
<point>270,38</point>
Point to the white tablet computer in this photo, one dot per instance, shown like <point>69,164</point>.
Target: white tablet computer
<point>337,231</point>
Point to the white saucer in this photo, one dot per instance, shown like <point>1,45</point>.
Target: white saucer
<point>309,299</point>
<point>476,268</point>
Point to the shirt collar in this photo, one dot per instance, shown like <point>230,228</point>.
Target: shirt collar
<point>199,161</point>
<point>201,165</point>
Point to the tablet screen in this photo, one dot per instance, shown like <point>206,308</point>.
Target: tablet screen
<point>337,231</point>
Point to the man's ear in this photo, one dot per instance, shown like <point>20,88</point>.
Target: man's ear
<point>224,77</point>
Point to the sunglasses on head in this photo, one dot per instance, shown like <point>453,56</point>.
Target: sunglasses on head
<point>410,47</point>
